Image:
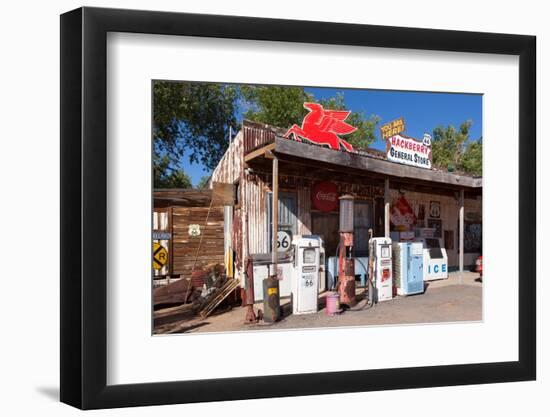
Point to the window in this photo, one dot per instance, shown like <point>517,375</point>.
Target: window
<point>287,214</point>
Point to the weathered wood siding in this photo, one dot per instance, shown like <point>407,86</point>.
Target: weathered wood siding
<point>255,189</point>
<point>254,206</point>
<point>187,248</point>
<point>250,230</point>
<point>257,135</point>
<point>229,170</point>
<point>304,210</point>
<point>230,166</point>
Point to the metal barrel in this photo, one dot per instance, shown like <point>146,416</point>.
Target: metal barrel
<point>333,304</point>
<point>272,310</point>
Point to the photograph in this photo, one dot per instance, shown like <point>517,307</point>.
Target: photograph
<point>232,184</point>
<point>280,207</point>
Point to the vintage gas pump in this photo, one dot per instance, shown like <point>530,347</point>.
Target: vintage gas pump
<point>346,271</point>
<point>305,274</point>
<point>381,261</point>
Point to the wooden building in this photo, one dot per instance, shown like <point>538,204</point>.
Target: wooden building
<point>189,225</point>
<point>449,202</point>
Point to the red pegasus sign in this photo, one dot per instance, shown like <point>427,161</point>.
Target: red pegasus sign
<point>322,127</point>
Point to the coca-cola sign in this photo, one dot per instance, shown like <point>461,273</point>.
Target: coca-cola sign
<point>324,196</point>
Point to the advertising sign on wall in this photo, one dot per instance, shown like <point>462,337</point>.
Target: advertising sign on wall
<point>324,196</point>
<point>408,151</point>
<point>435,209</point>
<point>402,215</point>
<point>472,237</point>
<point>437,226</point>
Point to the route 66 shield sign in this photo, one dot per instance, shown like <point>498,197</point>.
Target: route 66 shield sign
<point>194,230</point>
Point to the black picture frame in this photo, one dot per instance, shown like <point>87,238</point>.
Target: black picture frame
<point>84,206</point>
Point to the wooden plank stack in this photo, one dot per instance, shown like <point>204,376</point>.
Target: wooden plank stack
<point>227,288</point>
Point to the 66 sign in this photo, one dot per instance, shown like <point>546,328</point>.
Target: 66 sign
<point>284,240</point>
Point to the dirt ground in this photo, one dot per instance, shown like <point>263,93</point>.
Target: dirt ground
<point>448,300</point>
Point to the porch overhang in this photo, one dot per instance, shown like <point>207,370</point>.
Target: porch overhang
<point>288,149</point>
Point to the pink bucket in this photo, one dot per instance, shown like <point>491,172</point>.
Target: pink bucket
<point>333,304</point>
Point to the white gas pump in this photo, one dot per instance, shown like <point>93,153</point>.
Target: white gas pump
<point>305,274</point>
<point>382,268</point>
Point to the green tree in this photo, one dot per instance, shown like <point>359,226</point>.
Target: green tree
<point>192,119</point>
<point>472,159</point>
<point>277,106</point>
<point>204,182</point>
<point>364,135</point>
<point>449,144</point>
<point>284,106</point>
<point>166,176</point>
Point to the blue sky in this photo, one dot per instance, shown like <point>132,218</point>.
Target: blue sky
<point>422,112</point>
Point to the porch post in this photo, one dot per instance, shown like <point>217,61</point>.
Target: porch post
<point>275,211</point>
<point>272,311</point>
<point>227,240</point>
<point>387,207</point>
<point>461,236</point>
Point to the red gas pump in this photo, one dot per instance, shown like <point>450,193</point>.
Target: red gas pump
<point>346,270</point>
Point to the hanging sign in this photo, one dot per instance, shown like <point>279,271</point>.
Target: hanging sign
<point>322,127</point>
<point>324,196</point>
<point>409,151</point>
<point>161,235</point>
<point>392,128</point>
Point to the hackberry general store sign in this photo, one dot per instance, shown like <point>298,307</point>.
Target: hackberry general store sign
<point>409,151</point>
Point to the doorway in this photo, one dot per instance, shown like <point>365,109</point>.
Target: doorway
<point>363,220</point>
<point>326,226</point>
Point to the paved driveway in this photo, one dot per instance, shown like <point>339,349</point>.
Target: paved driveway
<point>452,300</point>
